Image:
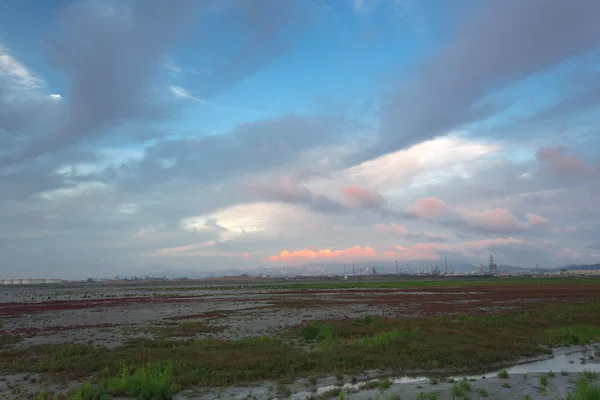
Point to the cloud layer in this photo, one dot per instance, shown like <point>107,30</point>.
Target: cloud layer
<point>133,140</point>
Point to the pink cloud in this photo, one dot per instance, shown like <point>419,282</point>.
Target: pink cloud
<point>361,197</point>
<point>324,254</point>
<point>534,219</point>
<point>562,162</point>
<point>429,208</point>
<point>282,188</point>
<point>488,243</point>
<point>390,228</point>
<point>498,219</point>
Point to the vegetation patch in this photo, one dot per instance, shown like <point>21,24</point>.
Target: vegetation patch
<point>344,346</point>
<point>585,389</point>
<point>186,329</point>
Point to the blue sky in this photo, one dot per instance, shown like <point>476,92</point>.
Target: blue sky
<point>221,135</point>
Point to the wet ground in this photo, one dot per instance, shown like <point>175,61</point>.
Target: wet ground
<point>108,315</point>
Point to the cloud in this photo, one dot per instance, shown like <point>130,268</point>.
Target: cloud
<point>428,161</point>
<point>565,164</point>
<point>129,40</point>
<point>183,93</point>
<point>14,75</point>
<point>305,255</point>
<point>428,208</point>
<point>361,197</point>
<point>390,228</point>
<point>501,43</point>
<point>490,220</point>
<point>269,29</point>
<point>285,189</point>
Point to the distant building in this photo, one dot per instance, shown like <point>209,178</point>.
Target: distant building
<point>29,281</point>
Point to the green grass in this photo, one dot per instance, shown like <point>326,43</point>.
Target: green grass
<point>589,374</point>
<point>384,384</point>
<point>146,382</point>
<point>573,334</point>
<point>527,397</point>
<point>344,346</point>
<point>461,388</point>
<point>376,283</point>
<point>483,392</point>
<point>316,331</point>
<point>551,374</point>
<point>7,340</point>
<point>585,389</point>
<point>503,374</point>
<point>426,396</point>
<point>331,393</point>
<point>544,380</point>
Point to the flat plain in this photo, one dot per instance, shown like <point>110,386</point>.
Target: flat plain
<point>388,338</point>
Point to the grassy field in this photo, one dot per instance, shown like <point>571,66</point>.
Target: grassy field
<point>391,282</point>
<point>158,368</point>
<point>466,337</point>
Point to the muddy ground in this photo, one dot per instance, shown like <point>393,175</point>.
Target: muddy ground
<point>108,315</point>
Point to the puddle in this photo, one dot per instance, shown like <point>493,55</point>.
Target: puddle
<point>572,361</point>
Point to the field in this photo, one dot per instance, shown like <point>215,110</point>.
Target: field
<point>323,339</point>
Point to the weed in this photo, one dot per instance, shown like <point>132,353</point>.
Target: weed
<point>527,397</point>
<point>572,334</point>
<point>384,384</point>
<point>316,332</point>
<point>503,374</point>
<point>551,374</point>
<point>342,396</point>
<point>589,374</point>
<point>460,388</point>
<point>506,385</point>
<point>585,389</point>
<point>369,385</point>
<point>393,396</point>
<point>564,372</point>
<point>433,381</point>
<point>483,392</point>
<point>543,380</point>
<point>331,393</point>
<point>285,392</point>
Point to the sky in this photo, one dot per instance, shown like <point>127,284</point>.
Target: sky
<point>216,135</point>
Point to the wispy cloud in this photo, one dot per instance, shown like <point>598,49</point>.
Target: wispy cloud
<point>183,93</point>
<point>17,75</point>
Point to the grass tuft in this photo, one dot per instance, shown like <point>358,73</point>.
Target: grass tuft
<point>503,374</point>
<point>585,389</point>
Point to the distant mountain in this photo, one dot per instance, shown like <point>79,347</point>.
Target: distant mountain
<point>588,267</point>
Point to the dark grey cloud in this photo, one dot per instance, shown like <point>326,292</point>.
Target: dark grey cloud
<point>108,53</point>
<point>286,190</point>
<point>266,29</point>
<point>502,42</point>
<point>249,148</point>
